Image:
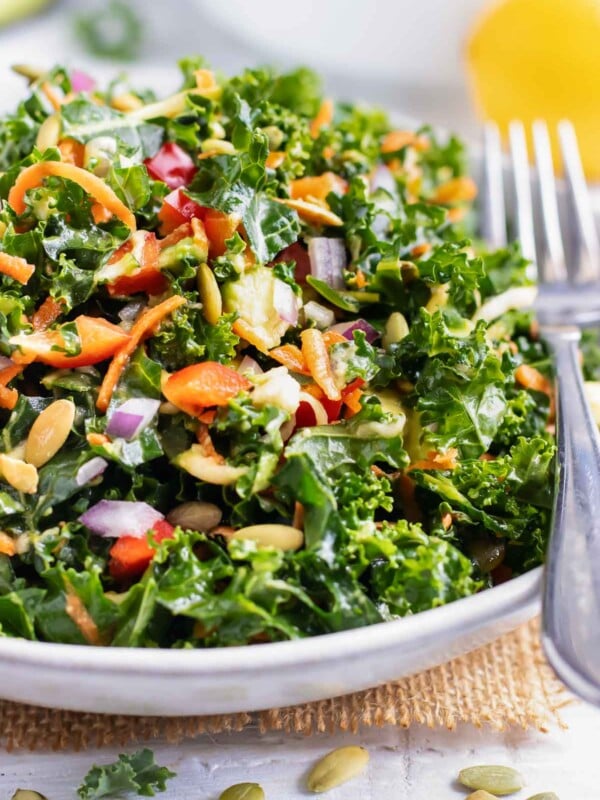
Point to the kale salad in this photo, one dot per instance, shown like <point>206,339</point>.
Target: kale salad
<point>258,378</point>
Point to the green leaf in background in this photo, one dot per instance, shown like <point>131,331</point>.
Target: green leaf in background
<point>112,30</point>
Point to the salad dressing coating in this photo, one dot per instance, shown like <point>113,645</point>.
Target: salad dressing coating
<point>261,308</point>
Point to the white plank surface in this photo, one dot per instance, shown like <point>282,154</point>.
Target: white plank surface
<point>417,763</point>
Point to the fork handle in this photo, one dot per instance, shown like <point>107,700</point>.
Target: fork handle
<point>571,609</point>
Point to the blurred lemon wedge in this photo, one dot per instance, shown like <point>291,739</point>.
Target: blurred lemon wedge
<point>540,59</point>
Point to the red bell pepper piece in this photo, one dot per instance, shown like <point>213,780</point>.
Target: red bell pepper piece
<point>201,386</point>
<point>172,165</point>
<point>130,555</point>
<point>176,210</point>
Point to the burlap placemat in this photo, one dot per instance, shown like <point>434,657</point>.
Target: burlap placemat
<point>506,683</point>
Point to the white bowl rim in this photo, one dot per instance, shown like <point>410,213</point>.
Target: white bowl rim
<point>470,613</point>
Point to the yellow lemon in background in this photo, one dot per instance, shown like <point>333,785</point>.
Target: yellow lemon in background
<point>540,59</point>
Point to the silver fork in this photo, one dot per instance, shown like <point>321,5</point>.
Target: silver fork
<point>565,302</point>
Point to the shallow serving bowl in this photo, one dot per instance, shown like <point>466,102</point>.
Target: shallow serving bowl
<point>183,682</point>
<point>250,678</point>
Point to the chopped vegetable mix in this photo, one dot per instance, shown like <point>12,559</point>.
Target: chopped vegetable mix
<point>266,311</point>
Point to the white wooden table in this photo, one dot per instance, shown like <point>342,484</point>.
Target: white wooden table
<point>416,764</point>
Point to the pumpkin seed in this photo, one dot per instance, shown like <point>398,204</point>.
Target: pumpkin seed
<point>195,516</point>
<point>396,328</point>
<point>49,432</point>
<point>498,780</point>
<point>312,212</point>
<point>27,794</point>
<point>48,133</point>
<point>21,476</point>
<point>337,767</point>
<point>217,146</point>
<point>243,791</point>
<point>282,536</point>
<point>212,303</point>
<point>544,796</point>
<point>481,794</point>
<point>28,71</point>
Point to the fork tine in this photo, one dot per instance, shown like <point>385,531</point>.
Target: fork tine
<point>493,225</point>
<point>520,166</point>
<point>554,265</point>
<point>587,266</point>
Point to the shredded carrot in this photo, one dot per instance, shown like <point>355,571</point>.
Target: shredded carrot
<point>317,186</point>
<point>33,176</point>
<point>437,460</point>
<point>52,95</point>
<point>7,544</point>
<point>82,618</point>
<point>360,279</point>
<point>291,357</point>
<point>241,328</point>
<point>314,350</point>
<point>455,214</point>
<point>396,140</point>
<point>72,152</point>
<point>100,214</point>
<point>314,390</point>
<point>531,378</point>
<point>352,403</point>
<point>144,326</point>
<point>207,154</point>
<point>10,372</point>
<point>199,233</point>
<point>16,268</point>
<point>275,159</point>
<point>420,250</point>
<point>97,439</point>
<point>8,398</point>
<point>328,152</point>
<point>206,443</point>
<point>455,190</point>
<point>323,119</point>
<point>298,521</point>
<point>46,314</point>
<point>333,337</point>
<point>207,416</point>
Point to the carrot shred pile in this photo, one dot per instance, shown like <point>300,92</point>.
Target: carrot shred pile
<point>146,323</point>
<point>314,350</point>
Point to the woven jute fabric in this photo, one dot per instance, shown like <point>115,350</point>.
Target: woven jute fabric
<point>506,683</point>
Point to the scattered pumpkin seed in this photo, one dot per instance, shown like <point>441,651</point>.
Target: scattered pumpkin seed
<point>285,537</point>
<point>21,476</point>
<point>212,302</point>
<point>195,516</point>
<point>337,767</point>
<point>497,780</point>
<point>48,133</point>
<point>28,71</point>
<point>49,432</point>
<point>396,328</point>
<point>243,791</point>
<point>27,794</point>
<point>481,794</point>
<point>544,796</point>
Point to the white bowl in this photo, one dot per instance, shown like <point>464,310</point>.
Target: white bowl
<point>183,682</point>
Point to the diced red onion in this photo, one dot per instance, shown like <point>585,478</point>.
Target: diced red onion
<point>322,317</point>
<point>328,260</point>
<point>249,365</point>
<point>120,518</point>
<point>90,470</point>
<point>130,312</point>
<point>81,81</point>
<point>347,330</point>
<point>131,417</point>
<point>285,302</point>
<point>298,253</point>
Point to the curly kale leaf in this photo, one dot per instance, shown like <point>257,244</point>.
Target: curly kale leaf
<point>136,773</point>
<point>188,338</point>
<point>460,383</point>
<point>423,572</point>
